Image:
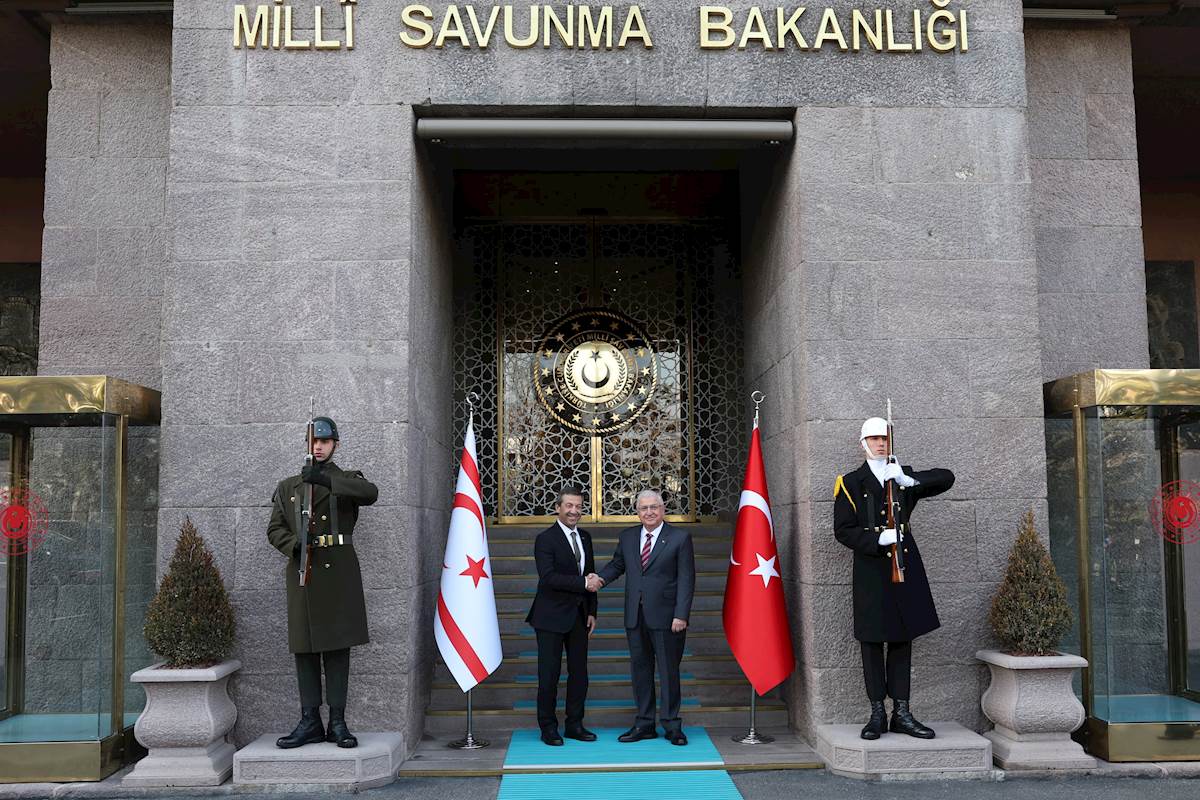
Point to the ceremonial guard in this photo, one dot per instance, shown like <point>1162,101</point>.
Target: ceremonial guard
<point>327,613</point>
<point>892,601</point>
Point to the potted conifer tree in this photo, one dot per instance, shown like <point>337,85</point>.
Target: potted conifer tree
<point>1031,700</point>
<point>188,713</point>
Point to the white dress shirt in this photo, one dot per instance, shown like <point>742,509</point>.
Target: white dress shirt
<point>653,538</point>
<point>567,532</point>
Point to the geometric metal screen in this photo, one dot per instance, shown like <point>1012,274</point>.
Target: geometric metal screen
<point>679,282</point>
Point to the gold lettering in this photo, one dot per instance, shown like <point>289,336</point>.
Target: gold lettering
<point>566,33</point>
<point>603,27</point>
<point>417,18</point>
<point>288,42</point>
<point>708,27</point>
<point>243,28</point>
<point>348,18</point>
<point>275,26</point>
<point>860,24</point>
<point>753,19</point>
<point>482,37</point>
<point>962,29</point>
<point>892,45</point>
<point>830,31</point>
<point>634,19</point>
<point>944,39</point>
<point>319,42</point>
<point>510,37</point>
<point>916,29</point>
<point>789,27</point>
<point>452,28</point>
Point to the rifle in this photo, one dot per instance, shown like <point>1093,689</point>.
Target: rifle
<point>893,507</point>
<point>307,522</point>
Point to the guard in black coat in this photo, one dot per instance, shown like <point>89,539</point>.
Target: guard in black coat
<point>564,614</point>
<point>886,612</point>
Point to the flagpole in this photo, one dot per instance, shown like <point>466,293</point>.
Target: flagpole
<point>469,742</point>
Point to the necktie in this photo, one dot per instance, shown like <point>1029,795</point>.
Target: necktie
<point>646,551</point>
<point>575,548</point>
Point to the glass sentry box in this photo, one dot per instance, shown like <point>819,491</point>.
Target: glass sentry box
<point>1123,471</point>
<point>78,507</point>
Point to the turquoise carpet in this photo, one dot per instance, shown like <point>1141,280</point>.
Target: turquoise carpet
<point>526,751</point>
<point>702,785</point>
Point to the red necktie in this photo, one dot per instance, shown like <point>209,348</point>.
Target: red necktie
<point>646,552</point>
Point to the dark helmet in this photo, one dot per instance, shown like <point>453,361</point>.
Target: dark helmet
<point>325,428</point>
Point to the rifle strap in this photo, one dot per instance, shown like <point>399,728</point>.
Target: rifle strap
<point>333,514</point>
<point>840,486</point>
<point>299,513</point>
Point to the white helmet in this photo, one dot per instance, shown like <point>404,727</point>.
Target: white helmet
<point>875,426</point>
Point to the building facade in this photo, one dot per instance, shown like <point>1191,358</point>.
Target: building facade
<point>948,224</point>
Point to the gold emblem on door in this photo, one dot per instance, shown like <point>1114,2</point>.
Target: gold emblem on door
<point>595,371</point>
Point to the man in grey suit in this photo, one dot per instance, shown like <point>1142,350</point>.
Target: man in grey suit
<point>660,568</point>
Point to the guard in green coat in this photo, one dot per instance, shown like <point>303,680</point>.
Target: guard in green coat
<point>328,615</point>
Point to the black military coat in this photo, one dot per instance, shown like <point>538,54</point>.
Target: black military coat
<point>885,611</point>
<point>329,613</point>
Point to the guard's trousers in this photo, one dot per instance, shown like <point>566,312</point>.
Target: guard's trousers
<point>337,677</point>
<point>889,676</point>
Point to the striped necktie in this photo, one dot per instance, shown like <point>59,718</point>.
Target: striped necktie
<point>646,551</point>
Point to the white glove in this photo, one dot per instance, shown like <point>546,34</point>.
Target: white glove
<point>887,537</point>
<point>893,472</point>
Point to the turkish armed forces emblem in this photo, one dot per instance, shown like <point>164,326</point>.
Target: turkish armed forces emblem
<point>595,371</point>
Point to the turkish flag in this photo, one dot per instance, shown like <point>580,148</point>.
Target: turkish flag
<point>755,615</point>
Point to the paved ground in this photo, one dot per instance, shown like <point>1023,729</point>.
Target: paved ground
<point>778,785</point>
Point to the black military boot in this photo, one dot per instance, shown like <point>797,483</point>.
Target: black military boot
<point>877,724</point>
<point>309,730</point>
<point>339,734</point>
<point>904,722</point>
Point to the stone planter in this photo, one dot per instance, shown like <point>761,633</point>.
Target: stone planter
<point>1034,709</point>
<point>187,716</point>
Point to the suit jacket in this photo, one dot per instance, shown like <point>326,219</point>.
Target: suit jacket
<point>561,591</point>
<point>885,611</point>
<point>665,588</point>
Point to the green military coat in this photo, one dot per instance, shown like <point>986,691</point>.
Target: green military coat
<point>329,613</point>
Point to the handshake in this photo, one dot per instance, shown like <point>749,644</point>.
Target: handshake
<point>593,582</point>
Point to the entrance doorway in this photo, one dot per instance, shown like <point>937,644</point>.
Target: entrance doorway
<point>599,324</point>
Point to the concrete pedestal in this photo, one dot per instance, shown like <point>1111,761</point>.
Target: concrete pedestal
<point>955,753</point>
<point>373,763</point>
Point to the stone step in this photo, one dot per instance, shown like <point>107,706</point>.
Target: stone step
<point>489,720</point>
<point>614,647</point>
<point>525,565</point>
<point>373,763</point>
<point>612,600</point>
<point>611,621</point>
<point>513,669</point>
<point>601,689</point>
<point>956,752</point>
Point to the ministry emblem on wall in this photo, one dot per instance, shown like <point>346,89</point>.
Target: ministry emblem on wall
<point>595,371</point>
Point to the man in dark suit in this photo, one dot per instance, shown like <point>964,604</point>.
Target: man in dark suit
<point>564,614</point>
<point>660,568</point>
<point>886,612</point>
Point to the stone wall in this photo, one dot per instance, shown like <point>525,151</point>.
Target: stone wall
<point>895,259</point>
<point>1083,161</point>
<point>104,242</point>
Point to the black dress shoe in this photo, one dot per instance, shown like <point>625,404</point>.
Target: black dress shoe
<point>579,732</point>
<point>636,734</point>
<point>677,738</point>
<point>903,722</point>
<point>309,730</point>
<point>338,733</point>
<point>877,724</point>
<point>552,738</point>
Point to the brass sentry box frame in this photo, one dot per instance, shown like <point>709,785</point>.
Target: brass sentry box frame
<point>47,402</point>
<point>1164,396</point>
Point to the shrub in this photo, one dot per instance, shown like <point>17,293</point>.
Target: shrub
<point>190,621</point>
<point>1030,612</point>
